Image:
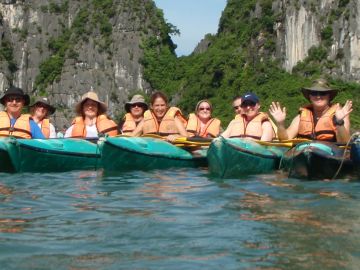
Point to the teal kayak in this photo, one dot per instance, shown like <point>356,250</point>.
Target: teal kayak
<point>234,157</point>
<point>130,153</point>
<point>355,155</point>
<point>54,155</point>
<point>317,160</point>
<point>5,161</point>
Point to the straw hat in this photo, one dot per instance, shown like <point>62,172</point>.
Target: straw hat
<point>93,96</point>
<point>136,99</point>
<point>15,91</point>
<point>43,100</point>
<point>319,85</point>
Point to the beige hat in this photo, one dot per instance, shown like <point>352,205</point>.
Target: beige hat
<point>319,85</point>
<point>139,99</point>
<point>93,96</point>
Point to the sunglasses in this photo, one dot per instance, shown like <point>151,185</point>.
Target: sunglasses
<point>247,104</point>
<point>16,98</point>
<point>140,105</point>
<point>318,93</point>
<point>204,108</point>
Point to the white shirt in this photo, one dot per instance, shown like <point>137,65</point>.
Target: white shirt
<point>91,132</point>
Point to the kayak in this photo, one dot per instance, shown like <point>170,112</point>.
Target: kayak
<point>54,155</point>
<point>232,157</point>
<point>5,161</point>
<point>355,155</point>
<point>142,153</point>
<point>317,160</point>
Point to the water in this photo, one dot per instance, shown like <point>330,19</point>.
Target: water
<point>178,219</point>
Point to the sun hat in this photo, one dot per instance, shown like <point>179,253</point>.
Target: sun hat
<point>44,101</point>
<point>15,91</point>
<point>92,96</point>
<point>319,85</point>
<point>136,99</point>
<point>249,97</point>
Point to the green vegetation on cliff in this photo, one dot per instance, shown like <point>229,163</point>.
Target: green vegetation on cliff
<point>240,59</point>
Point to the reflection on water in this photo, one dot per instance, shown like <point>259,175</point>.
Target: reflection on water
<point>178,219</point>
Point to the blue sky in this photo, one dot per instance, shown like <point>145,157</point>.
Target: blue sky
<point>194,19</point>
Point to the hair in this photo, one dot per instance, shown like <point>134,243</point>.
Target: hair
<point>201,101</point>
<point>156,95</point>
<point>236,98</point>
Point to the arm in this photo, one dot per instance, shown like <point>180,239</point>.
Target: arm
<point>343,113</point>
<point>279,115</point>
<point>227,132</point>
<point>181,129</point>
<point>138,130</point>
<point>52,131</point>
<point>267,132</point>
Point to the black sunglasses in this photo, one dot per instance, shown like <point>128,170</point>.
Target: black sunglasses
<point>318,93</point>
<point>140,105</point>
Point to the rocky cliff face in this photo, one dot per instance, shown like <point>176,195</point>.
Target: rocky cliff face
<point>62,49</point>
<point>334,24</point>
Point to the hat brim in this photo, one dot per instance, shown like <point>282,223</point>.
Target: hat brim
<point>306,92</point>
<point>102,106</point>
<point>51,109</point>
<point>25,96</point>
<point>128,105</point>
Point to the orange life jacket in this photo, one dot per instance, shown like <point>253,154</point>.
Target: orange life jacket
<point>323,130</point>
<point>129,124</point>
<point>166,126</point>
<point>45,127</point>
<point>103,124</point>
<point>251,129</point>
<point>212,127</point>
<point>21,128</point>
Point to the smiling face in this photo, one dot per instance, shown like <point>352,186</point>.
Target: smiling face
<point>159,107</point>
<point>319,99</point>
<point>14,105</point>
<point>90,108</point>
<point>204,111</point>
<point>250,109</point>
<point>137,110</point>
<point>40,111</point>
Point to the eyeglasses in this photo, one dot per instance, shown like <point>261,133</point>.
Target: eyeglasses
<point>247,104</point>
<point>16,98</point>
<point>140,105</point>
<point>204,108</point>
<point>318,93</point>
<point>237,107</point>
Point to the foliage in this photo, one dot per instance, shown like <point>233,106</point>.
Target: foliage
<point>6,53</point>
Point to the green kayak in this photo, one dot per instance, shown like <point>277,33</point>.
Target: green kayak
<point>130,153</point>
<point>234,157</point>
<point>317,160</point>
<point>54,155</point>
<point>5,162</point>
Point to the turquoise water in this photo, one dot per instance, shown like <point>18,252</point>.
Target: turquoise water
<point>178,219</point>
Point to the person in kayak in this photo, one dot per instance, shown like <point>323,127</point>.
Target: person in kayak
<point>250,123</point>
<point>135,109</point>
<point>320,120</point>
<point>91,120</point>
<point>201,124</point>
<point>12,121</point>
<point>40,112</point>
<point>237,104</point>
<point>162,120</point>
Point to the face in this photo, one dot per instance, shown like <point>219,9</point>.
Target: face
<point>159,107</point>
<point>137,110</point>
<point>204,111</point>
<point>237,105</point>
<point>40,111</point>
<point>90,108</point>
<point>14,104</point>
<point>250,108</point>
<point>319,99</point>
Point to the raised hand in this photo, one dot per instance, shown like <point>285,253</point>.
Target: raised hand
<point>342,112</point>
<point>277,113</point>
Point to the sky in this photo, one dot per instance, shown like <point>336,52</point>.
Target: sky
<point>194,19</point>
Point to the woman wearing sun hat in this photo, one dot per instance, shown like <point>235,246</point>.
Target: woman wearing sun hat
<point>91,119</point>
<point>12,121</point>
<point>201,124</point>
<point>320,120</point>
<point>135,109</point>
<point>40,112</point>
